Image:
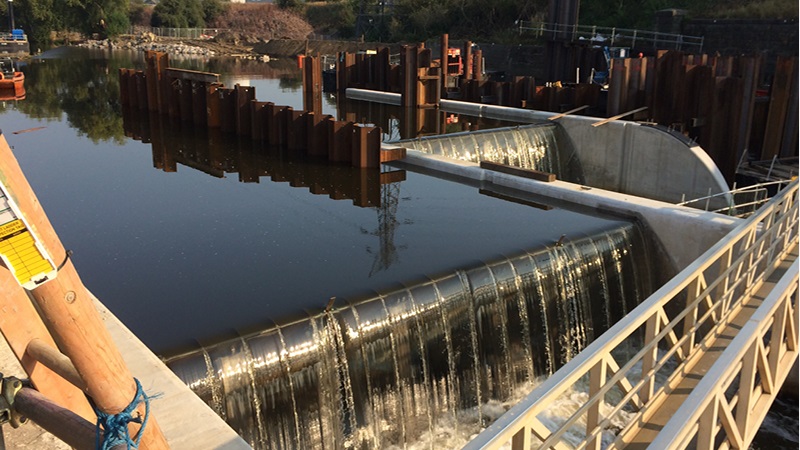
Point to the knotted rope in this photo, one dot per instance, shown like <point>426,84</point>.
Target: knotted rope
<point>115,426</point>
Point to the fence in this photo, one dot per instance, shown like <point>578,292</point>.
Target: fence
<point>744,201</point>
<point>614,37</point>
<point>669,329</point>
<point>185,33</point>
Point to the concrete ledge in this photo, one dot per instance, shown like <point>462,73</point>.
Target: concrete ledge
<point>685,233</point>
<point>186,421</point>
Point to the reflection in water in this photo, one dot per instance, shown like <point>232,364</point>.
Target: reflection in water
<point>392,369</point>
<point>216,153</point>
<point>407,123</point>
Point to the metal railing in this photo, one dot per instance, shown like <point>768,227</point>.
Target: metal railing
<point>742,201</point>
<point>668,329</point>
<point>757,369</point>
<point>613,37</point>
<point>184,33</point>
<point>18,37</point>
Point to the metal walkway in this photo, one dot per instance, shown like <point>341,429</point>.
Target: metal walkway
<point>696,365</point>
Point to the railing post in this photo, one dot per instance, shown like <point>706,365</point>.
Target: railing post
<point>597,378</point>
<point>707,427</point>
<point>521,440</point>
<point>692,292</point>
<point>69,311</point>
<point>778,334</point>
<point>651,330</point>
<point>722,288</point>
<point>747,380</point>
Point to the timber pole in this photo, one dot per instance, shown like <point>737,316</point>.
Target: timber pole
<point>69,312</point>
<point>15,309</point>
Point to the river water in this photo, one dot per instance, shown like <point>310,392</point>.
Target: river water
<point>187,258</point>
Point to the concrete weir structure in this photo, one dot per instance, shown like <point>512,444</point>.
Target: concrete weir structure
<point>628,168</point>
<point>621,156</point>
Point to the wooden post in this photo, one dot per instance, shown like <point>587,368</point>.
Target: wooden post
<point>62,423</point>
<point>15,309</point>
<point>70,314</point>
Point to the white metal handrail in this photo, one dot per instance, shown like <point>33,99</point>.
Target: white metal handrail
<point>755,196</point>
<point>612,36</point>
<point>736,266</point>
<point>758,369</point>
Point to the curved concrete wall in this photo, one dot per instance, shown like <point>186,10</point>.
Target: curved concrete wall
<point>643,160</point>
<point>620,156</point>
<point>684,233</point>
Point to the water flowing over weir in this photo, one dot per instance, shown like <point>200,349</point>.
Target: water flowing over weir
<point>543,147</point>
<point>393,369</point>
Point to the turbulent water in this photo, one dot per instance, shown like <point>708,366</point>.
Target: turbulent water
<point>541,147</point>
<point>399,368</point>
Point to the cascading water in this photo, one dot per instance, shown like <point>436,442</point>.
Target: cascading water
<point>395,369</point>
<point>542,147</point>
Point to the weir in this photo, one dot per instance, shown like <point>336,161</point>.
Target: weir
<point>541,147</point>
<point>403,366</point>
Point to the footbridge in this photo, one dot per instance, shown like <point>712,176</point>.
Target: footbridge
<point>696,365</point>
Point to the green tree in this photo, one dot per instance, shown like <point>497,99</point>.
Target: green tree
<point>139,13</point>
<point>38,18</point>
<point>184,13</point>
<point>104,17</point>
<point>85,93</point>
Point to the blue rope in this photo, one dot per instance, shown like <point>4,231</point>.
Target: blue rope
<point>115,426</point>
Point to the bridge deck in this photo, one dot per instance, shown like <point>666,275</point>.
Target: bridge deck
<point>641,436</point>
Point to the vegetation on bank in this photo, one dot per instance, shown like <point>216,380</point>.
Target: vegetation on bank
<point>373,20</point>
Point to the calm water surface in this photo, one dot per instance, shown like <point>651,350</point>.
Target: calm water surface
<point>185,257</point>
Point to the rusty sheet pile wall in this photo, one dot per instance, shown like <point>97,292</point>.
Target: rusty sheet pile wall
<point>199,98</point>
<point>720,102</point>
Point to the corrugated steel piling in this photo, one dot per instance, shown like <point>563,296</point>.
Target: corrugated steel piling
<point>199,98</point>
<point>312,83</point>
<point>244,95</point>
<point>785,77</point>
